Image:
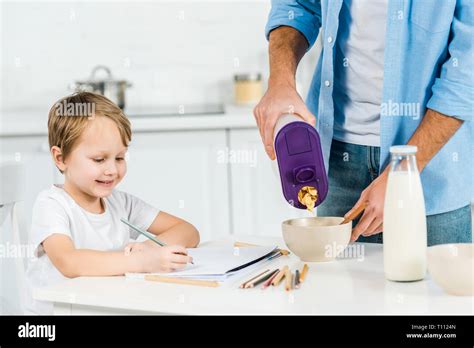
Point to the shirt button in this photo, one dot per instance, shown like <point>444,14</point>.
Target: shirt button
<point>327,83</point>
<point>329,39</point>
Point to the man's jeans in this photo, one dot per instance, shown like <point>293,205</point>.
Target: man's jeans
<point>353,167</point>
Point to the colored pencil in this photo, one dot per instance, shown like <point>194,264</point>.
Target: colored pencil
<point>297,279</point>
<point>251,283</point>
<point>258,275</point>
<point>149,235</point>
<point>277,255</point>
<point>269,281</point>
<point>262,279</point>
<point>276,281</point>
<point>304,272</point>
<point>142,232</point>
<point>288,280</point>
<point>175,280</point>
<point>242,244</point>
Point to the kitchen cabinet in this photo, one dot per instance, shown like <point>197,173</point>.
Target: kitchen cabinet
<point>180,173</point>
<point>258,206</point>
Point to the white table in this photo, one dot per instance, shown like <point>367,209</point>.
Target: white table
<point>345,286</point>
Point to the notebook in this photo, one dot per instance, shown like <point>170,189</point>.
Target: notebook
<point>218,262</point>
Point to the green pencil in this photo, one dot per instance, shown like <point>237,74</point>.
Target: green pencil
<point>146,234</point>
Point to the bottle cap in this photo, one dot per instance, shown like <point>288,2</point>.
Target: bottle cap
<point>248,77</point>
<point>403,149</point>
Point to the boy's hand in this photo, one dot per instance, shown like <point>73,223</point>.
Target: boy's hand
<point>155,258</point>
<point>137,246</point>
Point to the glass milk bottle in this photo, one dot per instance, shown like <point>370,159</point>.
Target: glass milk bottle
<point>404,220</point>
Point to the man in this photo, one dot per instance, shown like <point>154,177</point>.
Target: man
<point>390,73</point>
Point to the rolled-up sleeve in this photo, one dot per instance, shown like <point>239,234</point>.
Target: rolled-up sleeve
<point>303,15</point>
<point>453,90</point>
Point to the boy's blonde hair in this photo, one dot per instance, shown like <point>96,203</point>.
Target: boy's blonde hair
<point>70,116</point>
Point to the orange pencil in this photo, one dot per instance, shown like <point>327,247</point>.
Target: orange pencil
<point>164,279</point>
<point>304,272</point>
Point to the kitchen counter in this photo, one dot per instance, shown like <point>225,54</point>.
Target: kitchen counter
<point>27,123</point>
<point>353,285</point>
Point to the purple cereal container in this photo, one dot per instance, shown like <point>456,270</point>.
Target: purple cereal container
<point>300,159</point>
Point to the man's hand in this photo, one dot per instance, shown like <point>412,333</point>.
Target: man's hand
<point>278,100</point>
<point>287,47</point>
<point>434,131</point>
<point>372,219</point>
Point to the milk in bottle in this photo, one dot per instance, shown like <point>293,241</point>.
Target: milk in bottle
<point>404,220</point>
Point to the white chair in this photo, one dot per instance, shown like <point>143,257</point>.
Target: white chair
<point>13,247</point>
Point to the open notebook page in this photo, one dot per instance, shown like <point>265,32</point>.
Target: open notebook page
<point>215,261</point>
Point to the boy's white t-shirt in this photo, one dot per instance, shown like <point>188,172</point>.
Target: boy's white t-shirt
<point>55,212</point>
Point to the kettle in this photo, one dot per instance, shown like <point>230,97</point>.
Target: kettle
<point>300,161</point>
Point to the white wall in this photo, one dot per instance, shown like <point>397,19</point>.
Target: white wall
<point>172,51</point>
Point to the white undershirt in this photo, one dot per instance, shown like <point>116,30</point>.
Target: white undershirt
<point>358,71</point>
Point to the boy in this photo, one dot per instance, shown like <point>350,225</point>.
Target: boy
<point>76,227</point>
